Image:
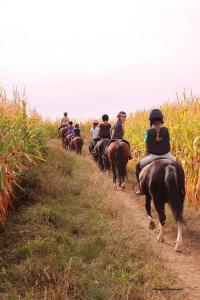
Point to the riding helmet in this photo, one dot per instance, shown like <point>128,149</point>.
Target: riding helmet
<point>65,114</point>
<point>156,115</point>
<point>95,122</point>
<point>105,117</point>
<point>121,113</point>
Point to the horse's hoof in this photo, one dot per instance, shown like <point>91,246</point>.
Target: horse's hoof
<point>115,186</point>
<point>152,225</point>
<point>160,239</point>
<point>178,248</point>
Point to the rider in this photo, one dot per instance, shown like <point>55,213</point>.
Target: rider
<point>77,131</point>
<point>157,141</point>
<point>104,132</point>
<point>104,128</point>
<point>118,131</point>
<point>64,121</point>
<point>94,133</point>
<point>70,128</point>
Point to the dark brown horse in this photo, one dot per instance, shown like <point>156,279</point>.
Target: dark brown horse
<point>118,155</point>
<point>62,134</point>
<point>77,144</point>
<point>164,181</point>
<point>68,139</point>
<point>98,152</point>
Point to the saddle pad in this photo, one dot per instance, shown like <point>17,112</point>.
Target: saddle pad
<point>144,171</point>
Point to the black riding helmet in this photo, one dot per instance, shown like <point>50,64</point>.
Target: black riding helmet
<point>156,115</point>
<point>105,117</point>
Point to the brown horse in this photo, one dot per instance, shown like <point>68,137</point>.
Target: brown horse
<point>68,140</point>
<point>118,155</point>
<point>98,152</point>
<point>62,134</point>
<point>77,144</point>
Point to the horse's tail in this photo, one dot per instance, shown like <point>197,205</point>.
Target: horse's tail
<point>120,162</point>
<point>173,192</point>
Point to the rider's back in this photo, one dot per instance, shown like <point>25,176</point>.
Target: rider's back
<point>158,146</point>
<point>70,129</point>
<point>104,130</point>
<point>64,121</point>
<point>77,132</point>
<point>118,132</point>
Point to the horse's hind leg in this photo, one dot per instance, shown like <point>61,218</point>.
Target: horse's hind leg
<point>179,239</point>
<point>151,223</point>
<point>114,175</point>
<point>160,208</point>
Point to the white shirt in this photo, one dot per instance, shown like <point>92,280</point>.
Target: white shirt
<point>65,121</point>
<point>94,132</point>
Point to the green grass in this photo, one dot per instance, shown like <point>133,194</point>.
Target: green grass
<point>64,240</point>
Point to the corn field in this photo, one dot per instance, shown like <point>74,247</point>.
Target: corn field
<point>182,119</point>
<point>23,140</point>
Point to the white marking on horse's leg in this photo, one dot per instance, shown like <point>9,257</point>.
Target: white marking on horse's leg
<point>115,185</point>
<point>179,239</point>
<point>160,237</point>
<point>123,185</point>
<point>152,224</point>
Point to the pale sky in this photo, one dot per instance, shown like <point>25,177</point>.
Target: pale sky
<point>90,57</point>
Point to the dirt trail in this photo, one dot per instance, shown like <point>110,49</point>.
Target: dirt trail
<point>179,262</point>
<point>182,264</point>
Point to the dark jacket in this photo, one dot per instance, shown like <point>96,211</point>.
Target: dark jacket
<point>157,147</point>
<point>118,132</point>
<point>104,131</point>
<point>77,132</point>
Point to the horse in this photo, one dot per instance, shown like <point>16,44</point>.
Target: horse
<point>68,139</point>
<point>118,154</point>
<point>163,181</point>
<point>98,152</point>
<point>76,144</point>
<point>92,145</point>
<point>62,134</point>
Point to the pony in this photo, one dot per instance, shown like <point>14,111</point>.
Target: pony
<point>163,181</point>
<point>76,144</point>
<point>98,152</point>
<point>118,155</point>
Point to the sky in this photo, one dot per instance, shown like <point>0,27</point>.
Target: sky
<point>90,57</point>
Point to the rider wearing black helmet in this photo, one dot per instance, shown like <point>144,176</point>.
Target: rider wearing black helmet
<point>118,131</point>
<point>104,135</point>
<point>104,128</point>
<point>157,141</point>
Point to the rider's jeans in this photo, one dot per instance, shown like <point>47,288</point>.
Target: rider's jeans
<point>151,157</point>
